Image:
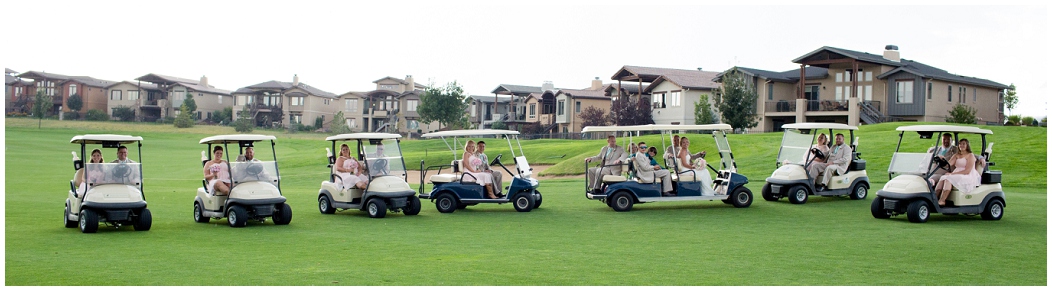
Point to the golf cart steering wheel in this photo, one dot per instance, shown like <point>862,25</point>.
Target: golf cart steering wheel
<point>121,171</point>
<point>496,160</point>
<point>818,154</point>
<point>941,163</point>
<point>380,166</point>
<point>254,169</point>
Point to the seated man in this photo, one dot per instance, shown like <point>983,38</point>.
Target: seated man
<point>648,173</point>
<point>248,156</point>
<point>944,151</point>
<point>838,159</point>
<point>612,154</point>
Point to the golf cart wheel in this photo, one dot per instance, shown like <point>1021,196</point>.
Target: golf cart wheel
<point>524,202</point>
<point>144,221</point>
<point>741,198</point>
<point>446,203</point>
<point>413,206</point>
<point>376,207</point>
<point>766,193</point>
<point>798,194</point>
<point>877,208</point>
<point>622,201</point>
<point>918,211</point>
<point>994,210</point>
<point>89,221</point>
<point>537,200</point>
<point>860,191</point>
<point>284,214</point>
<point>65,219</point>
<point>325,205</point>
<point>237,216</point>
<point>199,213</point>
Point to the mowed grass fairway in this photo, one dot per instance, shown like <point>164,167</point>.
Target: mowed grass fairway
<point>570,240</point>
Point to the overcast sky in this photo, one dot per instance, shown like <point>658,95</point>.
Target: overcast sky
<point>341,47</point>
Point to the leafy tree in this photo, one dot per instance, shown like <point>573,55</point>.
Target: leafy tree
<point>339,124</point>
<point>737,106</point>
<point>222,116</point>
<point>498,125</point>
<point>74,103</point>
<point>244,123</point>
<point>96,115</point>
<point>644,112</point>
<point>444,104</point>
<point>319,122</point>
<point>41,107</point>
<point>962,114</point>
<point>190,103</point>
<point>622,112</point>
<point>1014,120</point>
<point>1010,98</point>
<point>184,120</point>
<point>124,113</point>
<point>703,111</point>
<point>592,116</point>
<point>532,128</point>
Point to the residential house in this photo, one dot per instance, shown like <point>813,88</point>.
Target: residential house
<point>512,108</point>
<point>391,107</point>
<point>283,104</point>
<point>16,96</point>
<point>483,114</point>
<point>676,93</point>
<point>131,94</point>
<point>61,87</point>
<point>165,95</point>
<point>569,103</point>
<point>851,87</point>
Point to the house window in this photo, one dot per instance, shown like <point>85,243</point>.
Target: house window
<point>410,105</point>
<point>18,91</point>
<point>577,107</point>
<point>840,93</point>
<point>72,89</point>
<point>295,118</point>
<point>960,93</point>
<point>673,99</point>
<point>929,90</point>
<point>325,101</point>
<point>770,91</point>
<point>560,109</point>
<point>904,92</point>
<point>473,110</point>
<point>219,99</point>
<point>949,93</point>
<point>974,93</point>
<point>115,94</point>
<point>533,110</point>
<point>869,76</point>
<point>869,93</point>
<point>659,98</point>
<point>133,95</point>
<point>839,77</point>
<point>296,101</point>
<point>352,123</point>
<point>350,105</point>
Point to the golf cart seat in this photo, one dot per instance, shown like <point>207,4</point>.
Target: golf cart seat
<point>618,178</point>
<point>857,163</point>
<point>446,178</point>
<point>983,163</point>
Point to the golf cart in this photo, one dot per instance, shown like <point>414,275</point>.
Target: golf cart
<point>106,192</point>
<point>385,168</point>
<point>912,193</point>
<point>622,192</point>
<point>791,178</point>
<point>255,186</point>
<point>450,192</point>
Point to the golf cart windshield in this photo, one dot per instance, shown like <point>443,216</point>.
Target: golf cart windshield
<point>910,163</point>
<point>383,158</point>
<point>113,173</point>
<point>794,147</point>
<point>726,160</point>
<point>263,171</point>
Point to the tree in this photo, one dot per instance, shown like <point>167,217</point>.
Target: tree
<point>443,104</point>
<point>498,125</point>
<point>703,111</point>
<point>190,104</point>
<point>1010,98</point>
<point>737,106</point>
<point>184,120</point>
<point>222,116</point>
<point>962,114</point>
<point>124,113</point>
<point>592,116</point>
<point>74,103</point>
<point>625,111</point>
<point>1014,120</point>
<point>41,107</point>
<point>319,122</point>
<point>339,124</point>
<point>245,122</point>
<point>644,111</point>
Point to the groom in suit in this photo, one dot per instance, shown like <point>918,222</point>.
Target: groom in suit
<point>837,160</point>
<point>648,173</point>
<point>612,155</point>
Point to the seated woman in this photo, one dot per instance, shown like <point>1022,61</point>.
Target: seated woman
<point>349,171</point>
<point>94,174</point>
<point>822,146</point>
<point>632,150</point>
<point>472,164</point>
<point>700,168</point>
<point>217,173</point>
<point>964,177</point>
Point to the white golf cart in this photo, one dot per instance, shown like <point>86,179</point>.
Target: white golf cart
<point>255,186</point>
<point>450,192</point>
<point>111,193</point>
<point>622,192</point>
<point>912,193</point>
<point>387,190</point>
<point>791,178</point>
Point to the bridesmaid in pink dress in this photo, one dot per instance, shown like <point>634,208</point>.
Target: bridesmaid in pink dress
<point>964,176</point>
<point>347,168</point>
<point>217,173</point>
<point>471,165</point>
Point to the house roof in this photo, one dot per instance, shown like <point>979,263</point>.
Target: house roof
<point>42,75</point>
<point>401,81</point>
<point>518,89</point>
<point>647,74</point>
<point>8,80</point>
<point>9,71</point>
<point>687,79</point>
<point>89,81</point>
<point>790,76</point>
<point>148,86</point>
<point>913,67</point>
<point>630,88</point>
<point>284,86</point>
<point>586,94</point>
<point>500,99</point>
<point>188,83</point>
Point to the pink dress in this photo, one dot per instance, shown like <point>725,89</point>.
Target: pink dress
<point>222,174</point>
<point>965,182</point>
<point>482,178</point>
<point>348,178</point>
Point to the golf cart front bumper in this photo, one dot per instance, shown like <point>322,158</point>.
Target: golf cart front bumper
<point>780,185</point>
<point>594,196</point>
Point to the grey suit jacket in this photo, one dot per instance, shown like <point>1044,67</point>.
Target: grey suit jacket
<point>644,169</point>
<point>842,157</point>
<point>617,153</point>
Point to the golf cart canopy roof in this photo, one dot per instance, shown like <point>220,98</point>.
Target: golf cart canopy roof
<point>236,138</point>
<point>819,125</point>
<point>107,138</point>
<point>364,135</point>
<point>615,128</point>
<point>470,132</point>
<point>944,128</point>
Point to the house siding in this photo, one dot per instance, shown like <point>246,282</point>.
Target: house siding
<point>905,109</point>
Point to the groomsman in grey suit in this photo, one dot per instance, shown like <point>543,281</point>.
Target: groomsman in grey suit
<point>648,173</point>
<point>837,160</point>
<point>497,175</point>
<point>611,154</point>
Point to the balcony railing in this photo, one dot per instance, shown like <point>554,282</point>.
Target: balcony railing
<point>826,105</point>
<point>780,106</point>
<point>874,104</point>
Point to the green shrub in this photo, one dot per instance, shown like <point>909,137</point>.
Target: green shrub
<point>124,113</point>
<point>96,115</point>
<point>499,125</point>
<point>318,122</point>
<point>1014,120</point>
<point>1028,120</point>
<point>962,114</point>
<point>184,120</point>
<point>72,115</point>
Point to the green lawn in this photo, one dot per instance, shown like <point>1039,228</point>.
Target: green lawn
<point>569,241</point>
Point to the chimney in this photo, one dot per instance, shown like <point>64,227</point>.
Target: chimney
<point>412,85</point>
<point>547,86</point>
<point>891,53</point>
<point>204,81</point>
<point>295,80</point>
<point>597,84</point>
<point>699,68</point>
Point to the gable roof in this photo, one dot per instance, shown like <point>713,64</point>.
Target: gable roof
<point>500,99</point>
<point>148,86</point>
<point>37,76</point>
<point>162,79</point>
<point>89,81</point>
<point>790,76</point>
<point>518,89</point>
<point>861,56</point>
<point>583,94</point>
<point>630,88</point>
<point>699,80</point>
<point>647,74</point>
<point>9,71</point>
<point>906,65</point>
<point>284,86</point>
